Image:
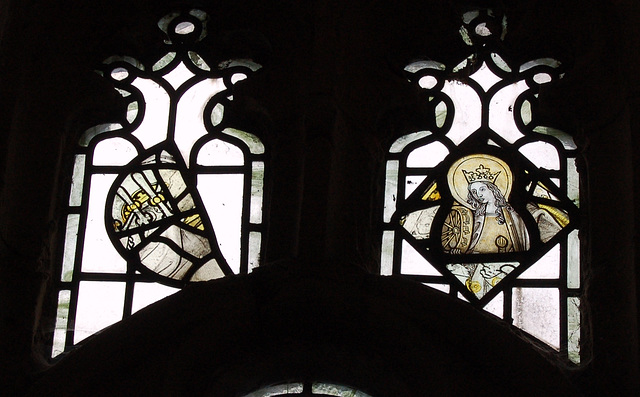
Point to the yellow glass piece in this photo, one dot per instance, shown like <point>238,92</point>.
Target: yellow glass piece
<point>473,286</point>
<point>558,215</point>
<point>432,194</point>
<point>194,221</point>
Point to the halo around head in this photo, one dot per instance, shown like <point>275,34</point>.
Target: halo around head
<point>482,168</point>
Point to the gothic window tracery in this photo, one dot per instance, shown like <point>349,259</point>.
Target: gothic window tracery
<point>170,194</point>
<point>484,204</point>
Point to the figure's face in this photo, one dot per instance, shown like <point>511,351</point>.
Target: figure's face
<point>481,192</point>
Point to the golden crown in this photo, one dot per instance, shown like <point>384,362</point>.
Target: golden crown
<point>481,174</point>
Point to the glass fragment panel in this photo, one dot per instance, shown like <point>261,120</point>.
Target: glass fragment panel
<point>336,390</point>
<point>100,304</point>
<point>537,311</point>
<point>287,388</point>
<point>412,182</point>
<point>480,278</point>
<point>253,142</point>
<point>62,317</point>
<point>573,181</point>
<point>418,223</point>
<point>440,287</point>
<point>218,152</point>
<point>114,151</point>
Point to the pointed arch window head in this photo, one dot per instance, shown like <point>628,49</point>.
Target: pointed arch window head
<point>484,203</point>
<point>171,193</point>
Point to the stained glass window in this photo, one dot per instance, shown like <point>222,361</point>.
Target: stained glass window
<point>170,194</point>
<point>484,203</point>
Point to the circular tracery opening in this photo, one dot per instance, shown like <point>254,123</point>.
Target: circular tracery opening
<point>185,28</point>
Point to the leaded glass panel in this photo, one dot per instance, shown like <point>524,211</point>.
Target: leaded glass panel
<point>484,203</point>
<point>170,194</point>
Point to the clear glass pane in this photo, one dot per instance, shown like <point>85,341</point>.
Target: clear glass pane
<point>501,111</point>
<point>99,254</point>
<point>145,294</point>
<point>100,304</point>
<point>414,263</point>
<point>222,197</point>
<point>257,186</point>
<point>62,317</point>
<point>77,180</point>
<point>189,115</point>
<point>547,267</point>
<point>391,189</point>
<point>114,151</point>
<point>573,320</point>
<point>428,155</point>
<point>70,242</point>
<point>564,138</point>
<point>412,183</point>
<point>468,114</point>
<point>440,287</point>
<point>542,154</point>
<point>218,152</point>
<point>386,262</point>
<point>537,311</point>
<point>153,128</point>
<point>496,306</point>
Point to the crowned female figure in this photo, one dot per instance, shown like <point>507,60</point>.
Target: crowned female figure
<point>482,221</point>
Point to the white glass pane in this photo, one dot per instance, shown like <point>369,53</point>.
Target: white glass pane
<point>114,151</point>
<point>402,142</point>
<point>218,152</point>
<point>62,317</point>
<point>189,114</point>
<point>537,311</point>
<point>496,306</point>
<point>178,75</point>
<point>100,304</point>
<point>428,155</point>
<point>153,128</point>
<point>542,154</point>
<point>145,294</point>
<point>222,197</point>
<point>501,111</point>
<point>92,132</point>
<point>257,186</point>
<point>70,240</point>
<point>255,243</point>
<point>468,114</point>
<point>573,260</point>
<point>573,320</point>
<point>77,180</point>
<point>547,267</point>
<point>485,77</point>
<point>391,189</point>
<point>386,262</point>
<point>99,254</point>
<point>412,182</point>
<point>413,263</point>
